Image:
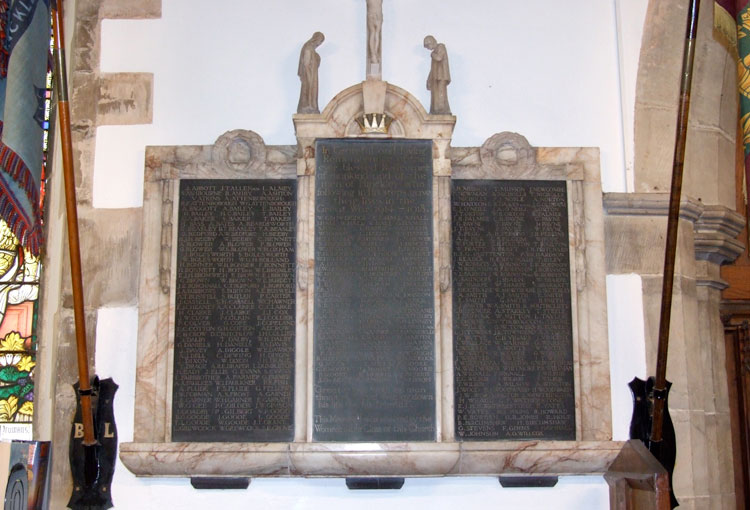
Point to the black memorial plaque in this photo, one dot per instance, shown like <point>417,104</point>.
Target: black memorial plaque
<point>512,325</point>
<point>374,343</point>
<point>235,311</point>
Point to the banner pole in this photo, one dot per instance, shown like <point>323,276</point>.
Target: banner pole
<point>72,221</point>
<point>660,387</point>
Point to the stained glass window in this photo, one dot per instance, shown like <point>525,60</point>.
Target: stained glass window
<point>19,293</point>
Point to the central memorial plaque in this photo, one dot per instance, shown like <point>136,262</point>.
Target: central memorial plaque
<point>235,311</point>
<point>374,322</point>
<point>512,340</point>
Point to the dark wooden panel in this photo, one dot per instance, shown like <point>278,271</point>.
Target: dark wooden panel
<point>737,342</point>
<point>374,350</point>
<point>512,329</point>
<point>235,311</point>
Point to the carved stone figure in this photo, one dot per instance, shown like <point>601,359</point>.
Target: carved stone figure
<point>309,62</point>
<point>374,30</point>
<point>439,77</point>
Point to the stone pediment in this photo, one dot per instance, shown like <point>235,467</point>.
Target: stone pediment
<point>339,119</point>
<point>379,103</point>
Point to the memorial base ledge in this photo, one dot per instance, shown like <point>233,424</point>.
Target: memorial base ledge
<point>550,458</point>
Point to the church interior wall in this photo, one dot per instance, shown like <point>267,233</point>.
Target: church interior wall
<point>181,72</point>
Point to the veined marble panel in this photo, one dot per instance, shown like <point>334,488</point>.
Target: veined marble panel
<point>370,459</point>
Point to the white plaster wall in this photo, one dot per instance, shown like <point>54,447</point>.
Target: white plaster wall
<point>631,15</point>
<point>546,69</point>
<point>549,70</point>
<point>627,346</point>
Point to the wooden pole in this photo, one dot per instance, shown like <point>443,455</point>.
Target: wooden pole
<point>84,384</point>
<point>660,384</point>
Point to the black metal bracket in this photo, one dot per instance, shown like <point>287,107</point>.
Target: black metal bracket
<point>665,450</point>
<point>374,483</point>
<point>219,482</point>
<point>517,482</point>
<point>92,466</point>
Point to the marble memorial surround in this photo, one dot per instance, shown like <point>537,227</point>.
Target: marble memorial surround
<point>242,154</point>
<point>372,110</point>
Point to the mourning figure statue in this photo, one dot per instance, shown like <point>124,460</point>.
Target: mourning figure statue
<point>439,77</point>
<point>309,62</point>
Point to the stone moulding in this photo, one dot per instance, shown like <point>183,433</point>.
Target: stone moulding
<point>715,226</point>
<point>242,154</point>
<point>715,233</point>
<point>649,204</point>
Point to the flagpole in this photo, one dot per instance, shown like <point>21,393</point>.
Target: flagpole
<point>84,385</point>
<point>660,384</point>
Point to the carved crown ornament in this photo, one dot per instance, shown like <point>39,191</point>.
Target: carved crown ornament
<point>374,123</point>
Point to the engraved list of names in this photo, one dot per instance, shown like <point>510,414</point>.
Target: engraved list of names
<point>235,311</point>
<point>512,325</point>
<point>374,344</point>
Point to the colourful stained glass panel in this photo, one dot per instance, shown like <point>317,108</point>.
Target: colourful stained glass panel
<point>16,381</point>
<point>19,292</point>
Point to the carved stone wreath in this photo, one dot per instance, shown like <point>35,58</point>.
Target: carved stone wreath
<point>239,151</point>
<point>506,149</point>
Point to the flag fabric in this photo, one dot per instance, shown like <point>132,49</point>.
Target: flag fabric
<point>24,58</point>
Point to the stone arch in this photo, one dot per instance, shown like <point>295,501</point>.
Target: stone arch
<point>407,117</point>
<point>706,237</point>
<point>710,155</point>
